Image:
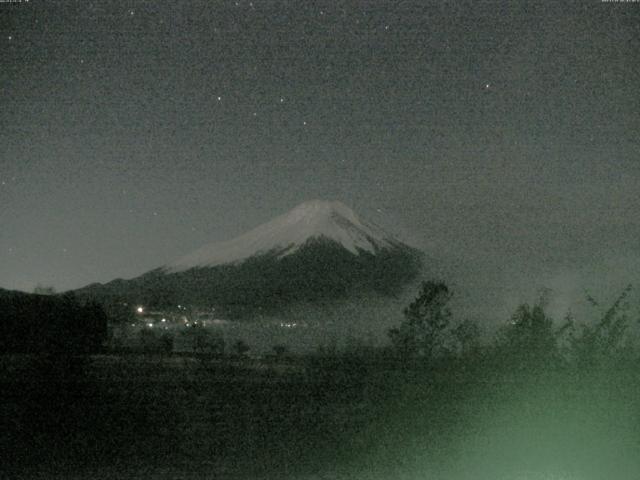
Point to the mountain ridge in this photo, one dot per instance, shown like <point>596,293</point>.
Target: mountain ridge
<point>318,251</point>
<point>288,232</point>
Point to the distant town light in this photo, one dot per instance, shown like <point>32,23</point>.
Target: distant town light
<point>164,319</point>
<point>150,325</point>
<point>140,309</point>
<point>288,324</point>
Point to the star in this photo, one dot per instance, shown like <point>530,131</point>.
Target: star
<point>486,86</point>
<point>10,37</point>
<point>219,98</point>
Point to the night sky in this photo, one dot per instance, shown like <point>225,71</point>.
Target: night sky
<point>499,137</point>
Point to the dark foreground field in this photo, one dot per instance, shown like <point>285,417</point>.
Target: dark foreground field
<point>155,417</point>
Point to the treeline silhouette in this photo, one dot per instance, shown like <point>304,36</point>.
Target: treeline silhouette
<point>537,397</point>
<point>445,399</point>
<point>531,338</point>
<point>55,324</point>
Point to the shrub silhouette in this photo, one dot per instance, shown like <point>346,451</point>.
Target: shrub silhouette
<point>426,318</point>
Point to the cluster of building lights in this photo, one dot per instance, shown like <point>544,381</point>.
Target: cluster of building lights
<point>140,308</point>
<point>150,318</point>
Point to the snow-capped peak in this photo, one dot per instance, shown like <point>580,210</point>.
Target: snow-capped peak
<point>286,233</point>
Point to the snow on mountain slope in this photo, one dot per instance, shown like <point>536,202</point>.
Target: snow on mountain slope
<point>287,233</point>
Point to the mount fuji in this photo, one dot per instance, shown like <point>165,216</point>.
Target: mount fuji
<point>320,250</point>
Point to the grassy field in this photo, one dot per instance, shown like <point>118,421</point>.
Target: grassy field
<point>133,415</point>
<point>145,416</point>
